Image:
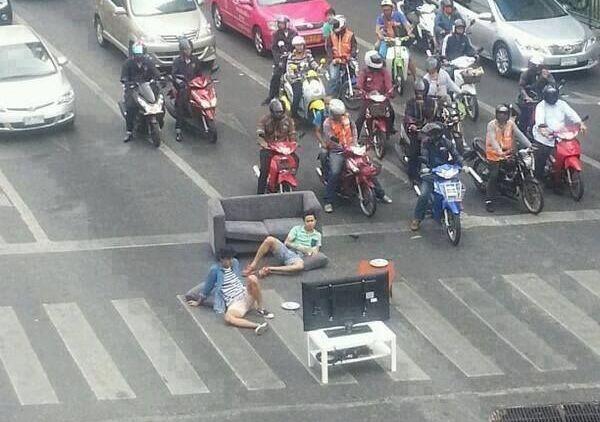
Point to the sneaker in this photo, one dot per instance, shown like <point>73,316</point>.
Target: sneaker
<point>489,206</point>
<point>328,208</point>
<point>264,313</point>
<point>386,199</point>
<point>261,328</point>
<point>415,225</point>
<point>178,135</point>
<point>128,137</point>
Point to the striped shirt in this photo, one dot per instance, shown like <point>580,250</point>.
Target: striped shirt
<point>232,288</point>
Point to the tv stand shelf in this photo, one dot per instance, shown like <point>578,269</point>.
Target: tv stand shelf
<point>381,340</point>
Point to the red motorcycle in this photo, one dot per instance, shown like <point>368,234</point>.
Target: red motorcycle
<point>283,168</point>
<point>564,167</point>
<point>357,178</point>
<point>202,105</point>
<point>376,122</point>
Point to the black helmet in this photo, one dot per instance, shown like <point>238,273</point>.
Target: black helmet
<point>446,3</point>
<point>184,44</point>
<point>419,87</point>
<point>459,23</point>
<point>550,94</point>
<point>432,130</point>
<point>502,113</point>
<point>276,109</point>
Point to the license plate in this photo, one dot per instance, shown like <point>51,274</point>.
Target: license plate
<point>33,120</point>
<point>313,39</point>
<point>570,61</point>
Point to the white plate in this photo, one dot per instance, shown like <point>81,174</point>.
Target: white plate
<point>379,262</point>
<point>290,306</point>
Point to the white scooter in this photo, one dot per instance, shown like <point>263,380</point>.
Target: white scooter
<point>467,73</point>
<point>313,92</point>
<point>424,26</point>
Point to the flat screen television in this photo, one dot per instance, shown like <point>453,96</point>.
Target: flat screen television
<point>345,302</point>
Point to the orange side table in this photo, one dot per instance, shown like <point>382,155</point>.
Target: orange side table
<point>364,268</point>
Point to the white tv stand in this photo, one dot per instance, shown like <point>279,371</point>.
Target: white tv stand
<point>381,340</point>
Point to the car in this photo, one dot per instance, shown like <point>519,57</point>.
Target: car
<point>256,19</point>
<point>159,24</point>
<point>512,31</point>
<point>36,93</point>
<point>6,14</point>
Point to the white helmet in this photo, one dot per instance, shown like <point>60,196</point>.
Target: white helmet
<point>373,59</point>
<point>339,23</point>
<point>298,40</point>
<point>537,60</point>
<point>387,3</point>
<point>337,107</point>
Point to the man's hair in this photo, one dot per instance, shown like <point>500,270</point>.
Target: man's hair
<point>330,11</point>
<point>309,212</point>
<point>226,252</point>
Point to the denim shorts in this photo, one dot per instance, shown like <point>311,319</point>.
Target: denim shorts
<point>285,255</point>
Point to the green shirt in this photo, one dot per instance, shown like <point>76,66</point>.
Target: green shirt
<point>300,237</point>
<point>326,30</point>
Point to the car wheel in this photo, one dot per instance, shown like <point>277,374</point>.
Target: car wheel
<point>217,18</point>
<point>99,32</point>
<point>503,60</point>
<point>259,42</point>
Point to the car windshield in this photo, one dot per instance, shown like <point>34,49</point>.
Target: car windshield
<point>161,7</point>
<point>25,61</point>
<point>529,10</point>
<point>274,2</point>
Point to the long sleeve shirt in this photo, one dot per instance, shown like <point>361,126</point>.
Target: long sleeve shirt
<point>444,23</point>
<point>328,133</point>
<point>143,72</point>
<point>455,46</point>
<point>441,84</point>
<point>303,63</point>
<point>369,80</point>
<point>555,117</point>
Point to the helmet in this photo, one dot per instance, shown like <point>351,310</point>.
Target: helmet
<point>502,113</point>
<point>419,87</point>
<point>446,3</point>
<point>431,63</point>
<point>184,44</point>
<point>337,107</point>
<point>387,3</point>
<point>298,40</point>
<point>339,23</point>
<point>536,60</point>
<point>432,130</point>
<point>282,19</point>
<point>373,60</point>
<point>137,49</point>
<point>459,23</point>
<point>276,109</point>
<point>550,94</point>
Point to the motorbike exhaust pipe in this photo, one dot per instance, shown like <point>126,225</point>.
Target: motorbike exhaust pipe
<point>474,174</point>
<point>256,171</point>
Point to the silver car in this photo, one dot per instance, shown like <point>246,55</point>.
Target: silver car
<point>159,23</point>
<point>511,31</point>
<point>34,91</point>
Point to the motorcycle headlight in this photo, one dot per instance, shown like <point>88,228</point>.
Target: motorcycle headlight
<point>66,98</point>
<point>590,43</point>
<point>528,161</point>
<point>530,49</point>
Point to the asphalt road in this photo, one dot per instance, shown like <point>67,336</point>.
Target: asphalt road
<point>97,239</point>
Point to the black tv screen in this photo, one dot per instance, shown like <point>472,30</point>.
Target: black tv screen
<point>344,302</point>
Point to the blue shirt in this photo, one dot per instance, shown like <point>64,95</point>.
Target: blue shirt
<point>397,16</point>
<point>214,284</point>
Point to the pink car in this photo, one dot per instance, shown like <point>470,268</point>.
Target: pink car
<point>256,19</point>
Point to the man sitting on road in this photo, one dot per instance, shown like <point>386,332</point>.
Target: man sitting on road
<point>224,288</point>
<point>302,241</point>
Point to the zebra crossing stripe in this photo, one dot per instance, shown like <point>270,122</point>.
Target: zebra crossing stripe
<point>21,363</point>
<point>588,279</point>
<point>442,335</point>
<point>549,300</point>
<point>407,369</point>
<point>165,355</point>
<point>506,326</point>
<point>235,350</point>
<point>288,326</point>
<point>94,362</point>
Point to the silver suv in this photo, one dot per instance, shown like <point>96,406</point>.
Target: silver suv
<point>159,23</point>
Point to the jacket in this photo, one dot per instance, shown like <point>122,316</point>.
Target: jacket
<point>276,130</point>
<point>531,81</point>
<point>278,51</point>
<point>341,47</point>
<point>131,72</point>
<point>369,80</point>
<point>439,152</point>
<point>455,46</point>
<point>214,283</point>
<point>188,70</point>
<point>303,64</point>
<point>444,24</point>
<point>498,140</point>
<point>419,114</point>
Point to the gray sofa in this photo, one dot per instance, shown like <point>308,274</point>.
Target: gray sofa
<point>243,222</point>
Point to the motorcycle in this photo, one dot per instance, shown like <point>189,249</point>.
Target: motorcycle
<point>423,21</point>
<point>150,114</point>
<point>396,60</point>
<point>467,73</point>
<point>376,123</point>
<point>348,91</point>
<point>312,103</point>
<point>452,119</point>
<point>516,178</point>
<point>284,166</point>
<point>356,179</point>
<point>202,105</point>
<point>525,110</point>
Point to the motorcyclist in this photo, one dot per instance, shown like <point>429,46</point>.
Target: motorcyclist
<point>551,115</point>
<point>444,21</point>
<point>136,69</point>
<point>273,127</point>
<point>531,85</point>
<point>282,45</point>
<point>410,10</point>
<point>502,132</point>
<point>457,44</point>
<point>185,68</point>
<point>328,25</point>
<point>436,150</point>
<point>339,131</point>
<point>439,81</point>
<point>341,46</point>
<point>374,78</point>
<point>299,62</point>
<point>389,24</point>
<point>419,111</point>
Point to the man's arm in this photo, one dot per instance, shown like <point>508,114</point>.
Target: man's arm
<point>362,78</point>
<point>354,132</point>
<point>125,72</point>
<point>209,285</point>
<point>387,83</point>
<point>445,46</point>
<point>291,130</point>
<point>445,79</point>
<point>354,47</point>
<point>290,242</point>
<point>522,141</point>
<point>490,138</point>
<point>261,130</point>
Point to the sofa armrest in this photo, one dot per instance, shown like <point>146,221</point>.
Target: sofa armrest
<point>310,202</point>
<point>216,224</point>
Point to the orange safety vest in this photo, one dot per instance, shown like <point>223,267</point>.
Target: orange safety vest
<point>388,28</point>
<point>342,46</point>
<point>505,139</point>
<point>342,130</point>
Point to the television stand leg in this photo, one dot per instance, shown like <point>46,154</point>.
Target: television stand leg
<point>393,354</point>
<point>324,367</point>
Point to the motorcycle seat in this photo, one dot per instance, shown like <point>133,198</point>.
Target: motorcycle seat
<point>479,146</point>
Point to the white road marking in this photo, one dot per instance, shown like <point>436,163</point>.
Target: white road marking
<point>243,68</point>
<point>4,201</point>
<point>549,300</point>
<point>235,350</point>
<point>288,327</point>
<point>26,215</point>
<point>165,355</point>
<point>442,335</point>
<point>504,325</point>
<point>94,362</point>
<point>406,368</point>
<point>588,279</point>
<point>21,363</point>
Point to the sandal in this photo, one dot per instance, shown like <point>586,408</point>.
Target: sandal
<point>248,270</point>
<point>263,272</point>
<point>264,313</point>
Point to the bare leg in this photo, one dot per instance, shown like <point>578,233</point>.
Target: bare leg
<point>253,289</point>
<point>234,318</point>
<point>412,67</point>
<point>293,268</point>
<point>267,246</point>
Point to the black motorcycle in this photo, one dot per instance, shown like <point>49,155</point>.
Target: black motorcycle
<point>150,115</point>
<point>515,179</point>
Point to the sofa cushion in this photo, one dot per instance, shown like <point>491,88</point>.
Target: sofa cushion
<point>280,227</point>
<point>313,262</point>
<point>260,207</point>
<point>246,230</point>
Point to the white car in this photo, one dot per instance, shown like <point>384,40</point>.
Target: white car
<point>34,90</point>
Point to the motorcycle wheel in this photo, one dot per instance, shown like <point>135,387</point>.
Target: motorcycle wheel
<point>352,102</point>
<point>155,134</point>
<point>453,230</point>
<point>285,187</point>
<point>532,196</point>
<point>368,204</point>
<point>472,105</point>
<point>575,185</point>
<point>482,170</point>
<point>379,139</point>
<point>212,131</point>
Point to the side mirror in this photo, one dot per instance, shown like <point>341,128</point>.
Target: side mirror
<point>119,11</point>
<point>486,16</point>
<point>62,61</point>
